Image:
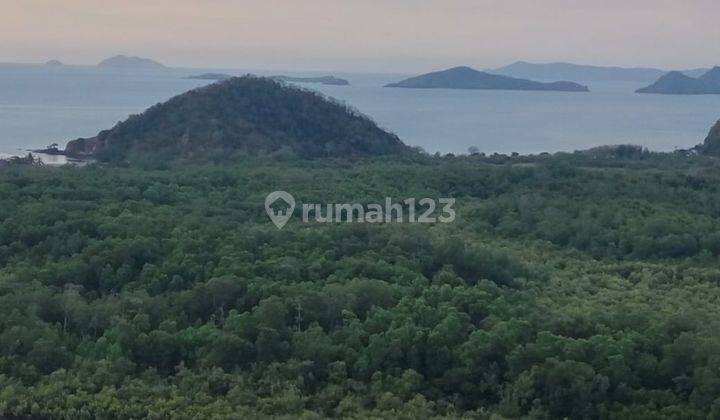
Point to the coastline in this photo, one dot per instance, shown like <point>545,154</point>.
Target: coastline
<point>56,157</point>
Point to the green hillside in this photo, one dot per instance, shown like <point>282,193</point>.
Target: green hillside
<point>245,115</point>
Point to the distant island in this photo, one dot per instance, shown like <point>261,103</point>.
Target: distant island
<point>242,115</point>
<point>130,62</point>
<point>585,73</point>
<point>677,83</point>
<point>325,80</point>
<point>469,78</point>
<point>54,63</point>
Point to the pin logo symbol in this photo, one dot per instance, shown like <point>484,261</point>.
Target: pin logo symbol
<point>284,211</point>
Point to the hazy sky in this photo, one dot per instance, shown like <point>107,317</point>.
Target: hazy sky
<point>364,35</point>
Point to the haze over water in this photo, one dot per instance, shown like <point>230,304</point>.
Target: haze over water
<point>41,105</point>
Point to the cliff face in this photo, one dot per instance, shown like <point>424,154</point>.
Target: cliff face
<point>711,145</point>
<point>83,147</point>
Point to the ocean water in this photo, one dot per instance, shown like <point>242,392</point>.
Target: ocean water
<point>41,105</point>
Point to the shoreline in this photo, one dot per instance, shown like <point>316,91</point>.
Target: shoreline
<point>59,157</point>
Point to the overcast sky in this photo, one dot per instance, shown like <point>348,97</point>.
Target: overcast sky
<point>364,35</point>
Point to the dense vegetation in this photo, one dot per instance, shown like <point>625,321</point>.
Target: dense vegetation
<point>242,115</point>
<point>569,286</point>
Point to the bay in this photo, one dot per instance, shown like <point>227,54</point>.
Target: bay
<point>40,105</point>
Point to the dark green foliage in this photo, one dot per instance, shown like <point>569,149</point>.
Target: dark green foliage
<point>569,286</point>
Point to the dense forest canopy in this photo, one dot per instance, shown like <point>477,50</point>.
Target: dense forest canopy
<point>242,115</point>
<point>569,286</point>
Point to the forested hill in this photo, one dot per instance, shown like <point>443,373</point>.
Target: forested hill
<point>245,115</point>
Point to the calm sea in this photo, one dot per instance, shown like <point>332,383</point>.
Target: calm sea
<point>40,105</point>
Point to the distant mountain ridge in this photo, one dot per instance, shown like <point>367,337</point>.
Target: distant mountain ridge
<point>584,73</point>
<point>246,115</point>
<point>676,83</point>
<point>469,78</point>
<point>130,62</point>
